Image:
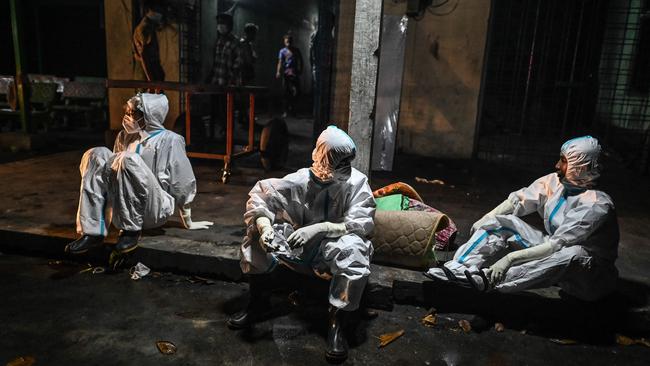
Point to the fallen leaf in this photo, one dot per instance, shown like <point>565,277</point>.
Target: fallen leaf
<point>563,341</point>
<point>499,327</point>
<point>623,340</point>
<point>429,181</point>
<point>627,341</point>
<point>22,361</point>
<point>429,320</point>
<point>166,348</point>
<point>464,324</point>
<point>387,338</point>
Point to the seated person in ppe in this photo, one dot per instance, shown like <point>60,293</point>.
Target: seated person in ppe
<point>137,185</point>
<point>580,245</point>
<point>331,208</point>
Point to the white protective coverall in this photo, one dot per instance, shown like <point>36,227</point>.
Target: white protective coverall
<point>302,199</point>
<point>580,224</point>
<point>139,184</point>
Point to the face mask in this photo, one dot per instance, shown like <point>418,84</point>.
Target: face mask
<point>130,125</point>
<point>342,174</point>
<point>155,17</point>
<point>222,28</point>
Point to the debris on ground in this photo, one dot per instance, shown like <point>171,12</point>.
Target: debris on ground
<point>115,260</point>
<point>430,181</point>
<point>201,280</point>
<point>65,269</point>
<point>627,341</point>
<point>563,341</point>
<point>431,319</point>
<point>294,298</point>
<point>166,347</point>
<point>388,338</point>
<point>465,325</point>
<point>499,327</point>
<point>138,271</point>
<point>22,361</point>
<point>93,270</point>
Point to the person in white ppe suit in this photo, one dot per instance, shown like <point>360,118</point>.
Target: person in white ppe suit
<point>139,184</point>
<point>578,249</point>
<point>331,208</point>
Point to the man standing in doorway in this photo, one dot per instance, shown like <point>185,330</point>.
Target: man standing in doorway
<point>224,68</point>
<point>145,46</point>
<point>289,67</point>
<point>247,54</point>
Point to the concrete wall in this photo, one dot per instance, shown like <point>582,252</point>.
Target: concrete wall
<point>119,57</point>
<point>442,74</point>
<point>120,61</point>
<point>342,65</point>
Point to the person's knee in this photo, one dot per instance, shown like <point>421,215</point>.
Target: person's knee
<point>98,152</point>
<point>95,155</point>
<point>126,161</point>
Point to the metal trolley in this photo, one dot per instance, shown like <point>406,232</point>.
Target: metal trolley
<point>188,90</point>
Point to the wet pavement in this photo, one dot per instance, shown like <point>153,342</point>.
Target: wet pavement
<point>59,316</point>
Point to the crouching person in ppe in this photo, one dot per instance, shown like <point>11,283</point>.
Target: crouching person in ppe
<point>331,208</point>
<point>578,249</point>
<point>139,184</point>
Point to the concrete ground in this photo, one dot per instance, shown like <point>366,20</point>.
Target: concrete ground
<point>58,316</point>
<point>37,215</point>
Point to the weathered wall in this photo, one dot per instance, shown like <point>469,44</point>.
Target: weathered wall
<point>442,74</point>
<point>342,65</point>
<point>170,61</point>
<point>119,56</point>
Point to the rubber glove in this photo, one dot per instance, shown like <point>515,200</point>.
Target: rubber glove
<point>498,270</point>
<point>303,235</point>
<point>504,208</point>
<point>186,217</point>
<point>267,234</point>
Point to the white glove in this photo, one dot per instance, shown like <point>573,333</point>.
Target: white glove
<point>186,217</point>
<point>498,270</point>
<point>303,235</point>
<point>267,234</point>
<point>504,208</point>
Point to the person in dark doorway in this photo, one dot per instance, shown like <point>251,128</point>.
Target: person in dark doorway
<point>224,69</point>
<point>139,184</point>
<point>247,54</point>
<point>289,67</point>
<point>247,60</point>
<point>145,47</point>
<point>580,245</point>
<point>315,221</point>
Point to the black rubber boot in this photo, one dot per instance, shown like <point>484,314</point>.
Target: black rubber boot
<point>258,304</point>
<point>337,344</point>
<point>127,241</point>
<point>83,244</point>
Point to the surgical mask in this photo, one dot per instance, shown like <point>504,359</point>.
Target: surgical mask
<point>222,28</point>
<point>155,17</point>
<point>342,173</point>
<point>131,125</point>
